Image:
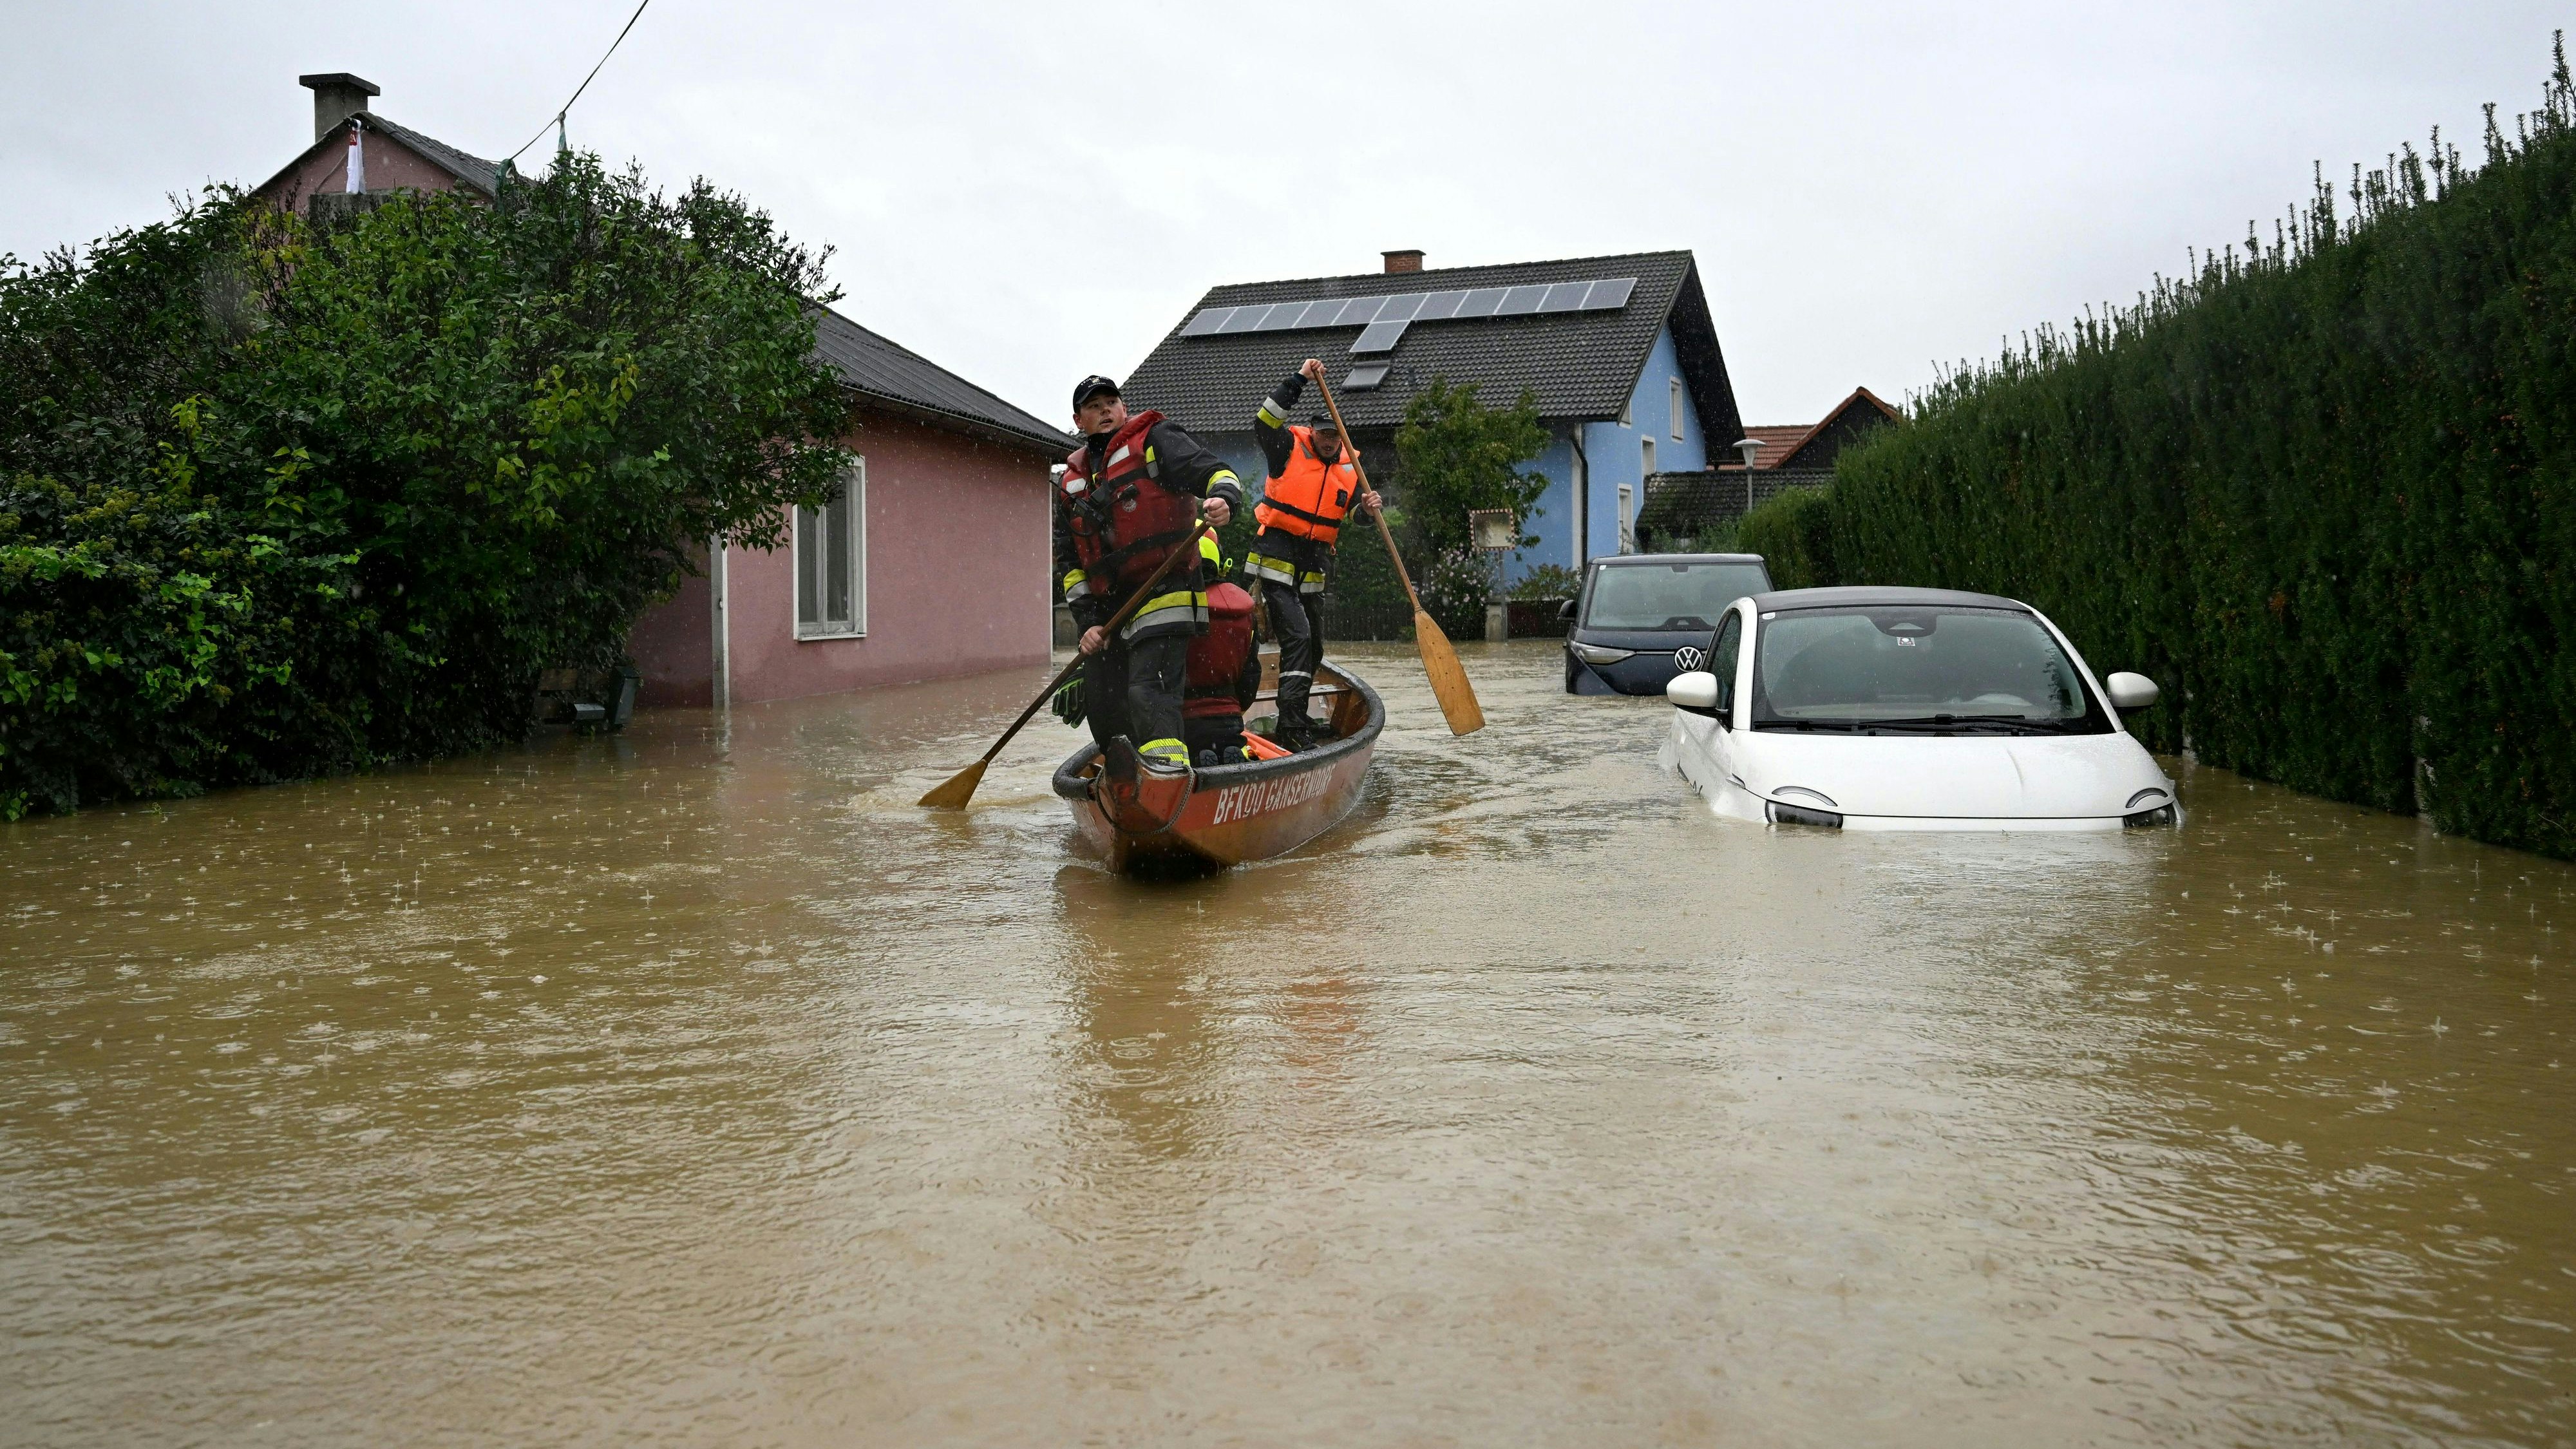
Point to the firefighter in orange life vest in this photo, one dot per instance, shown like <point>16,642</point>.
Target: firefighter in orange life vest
<point>1129,495</point>
<point>1314,480</point>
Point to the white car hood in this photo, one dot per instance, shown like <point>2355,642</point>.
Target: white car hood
<point>2026,777</point>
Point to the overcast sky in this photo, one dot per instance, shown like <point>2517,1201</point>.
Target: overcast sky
<point>1026,193</point>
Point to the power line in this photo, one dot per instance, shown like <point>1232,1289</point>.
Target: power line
<point>557,119</point>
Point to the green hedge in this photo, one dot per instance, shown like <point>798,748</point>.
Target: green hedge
<point>2324,491</point>
<point>1793,531</point>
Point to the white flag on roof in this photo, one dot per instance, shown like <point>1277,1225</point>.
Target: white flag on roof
<point>357,161</point>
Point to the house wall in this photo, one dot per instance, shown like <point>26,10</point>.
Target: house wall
<point>1613,454</point>
<point>957,544</point>
<point>390,166</point>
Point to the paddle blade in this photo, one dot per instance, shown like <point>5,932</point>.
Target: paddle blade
<point>1448,677</point>
<point>959,789</point>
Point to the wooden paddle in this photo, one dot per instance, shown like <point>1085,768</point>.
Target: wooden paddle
<point>1448,678</point>
<point>960,787</point>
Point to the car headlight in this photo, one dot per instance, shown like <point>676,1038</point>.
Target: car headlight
<point>1596,654</point>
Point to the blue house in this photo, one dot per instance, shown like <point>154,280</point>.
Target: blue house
<point>1618,353</point>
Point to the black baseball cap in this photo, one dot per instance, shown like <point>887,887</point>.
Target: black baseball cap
<point>1091,387</point>
<point>1323,423</point>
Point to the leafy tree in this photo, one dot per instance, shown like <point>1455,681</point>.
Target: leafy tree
<point>279,499</point>
<point>1454,455</point>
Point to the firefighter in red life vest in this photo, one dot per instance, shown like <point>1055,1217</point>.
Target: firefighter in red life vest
<point>1314,480</point>
<point>1129,495</point>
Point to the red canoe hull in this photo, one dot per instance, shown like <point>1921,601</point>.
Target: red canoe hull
<point>1240,813</point>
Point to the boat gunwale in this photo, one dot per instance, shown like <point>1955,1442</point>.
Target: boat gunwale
<point>1072,784</point>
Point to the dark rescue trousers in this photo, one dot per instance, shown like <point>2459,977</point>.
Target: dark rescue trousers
<point>1134,689</point>
<point>1297,621</point>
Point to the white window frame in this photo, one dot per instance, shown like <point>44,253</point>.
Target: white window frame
<point>855,520</point>
<point>1677,410</point>
<point>1646,458</point>
<point>1628,514</point>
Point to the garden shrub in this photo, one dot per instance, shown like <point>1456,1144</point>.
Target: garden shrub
<point>1793,531</point>
<point>279,499</point>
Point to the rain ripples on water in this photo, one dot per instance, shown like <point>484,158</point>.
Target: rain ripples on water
<point>691,1086</point>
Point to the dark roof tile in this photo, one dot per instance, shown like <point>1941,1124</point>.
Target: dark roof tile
<point>1577,365</point>
<point>879,369</point>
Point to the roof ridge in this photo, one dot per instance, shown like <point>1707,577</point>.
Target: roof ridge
<point>1436,271</point>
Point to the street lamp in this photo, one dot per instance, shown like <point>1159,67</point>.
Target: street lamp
<point>1748,447</point>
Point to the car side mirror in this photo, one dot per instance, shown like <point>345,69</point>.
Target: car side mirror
<point>1565,611</point>
<point>1694,690</point>
<point>2131,691</point>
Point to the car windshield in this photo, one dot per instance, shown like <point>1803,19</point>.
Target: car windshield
<point>1668,595</point>
<point>1943,668</point>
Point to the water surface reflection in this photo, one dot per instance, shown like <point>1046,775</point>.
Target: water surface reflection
<point>693,1087</point>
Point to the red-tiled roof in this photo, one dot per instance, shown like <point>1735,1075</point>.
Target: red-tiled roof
<point>1781,443</point>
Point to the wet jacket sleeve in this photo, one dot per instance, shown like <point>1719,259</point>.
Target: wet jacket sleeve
<point>1089,608</point>
<point>1270,423</point>
<point>1186,467</point>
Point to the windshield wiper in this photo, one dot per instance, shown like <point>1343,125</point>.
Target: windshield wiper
<point>2007,724</point>
<point>1836,726</point>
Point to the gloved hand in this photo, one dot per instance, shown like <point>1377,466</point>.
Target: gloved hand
<point>1069,704</point>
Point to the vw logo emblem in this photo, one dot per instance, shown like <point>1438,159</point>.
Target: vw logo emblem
<point>1687,658</point>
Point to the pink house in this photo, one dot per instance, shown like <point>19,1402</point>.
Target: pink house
<point>931,557</point>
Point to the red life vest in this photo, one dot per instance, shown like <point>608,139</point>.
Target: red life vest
<point>1216,657</point>
<point>1309,496</point>
<point>1123,520</point>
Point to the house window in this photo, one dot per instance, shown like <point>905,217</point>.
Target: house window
<point>831,550</point>
<point>1628,517</point>
<point>1649,456</point>
<point>1677,410</point>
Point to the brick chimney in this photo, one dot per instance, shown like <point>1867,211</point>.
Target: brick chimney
<point>1404,261</point>
<point>336,97</point>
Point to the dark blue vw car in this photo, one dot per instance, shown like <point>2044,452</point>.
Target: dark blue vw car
<point>1637,610</point>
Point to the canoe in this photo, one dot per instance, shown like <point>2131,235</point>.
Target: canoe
<point>1251,811</point>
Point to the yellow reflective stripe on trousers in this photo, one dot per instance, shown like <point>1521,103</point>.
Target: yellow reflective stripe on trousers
<point>1267,567</point>
<point>1188,604</point>
<point>1169,749</point>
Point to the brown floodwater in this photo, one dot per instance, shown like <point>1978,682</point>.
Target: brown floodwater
<point>691,1087</point>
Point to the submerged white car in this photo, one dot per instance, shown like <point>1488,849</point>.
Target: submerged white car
<point>1910,709</point>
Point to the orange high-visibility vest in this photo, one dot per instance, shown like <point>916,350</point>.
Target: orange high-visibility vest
<point>1309,496</point>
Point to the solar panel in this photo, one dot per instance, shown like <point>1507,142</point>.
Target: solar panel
<point>1384,318</point>
<point>1379,337</point>
<point>1439,306</point>
<point>1365,376</point>
<point>1608,293</point>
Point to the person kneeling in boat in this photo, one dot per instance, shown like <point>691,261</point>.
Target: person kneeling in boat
<point>1130,494</point>
<point>1314,480</point>
<point>1224,674</point>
